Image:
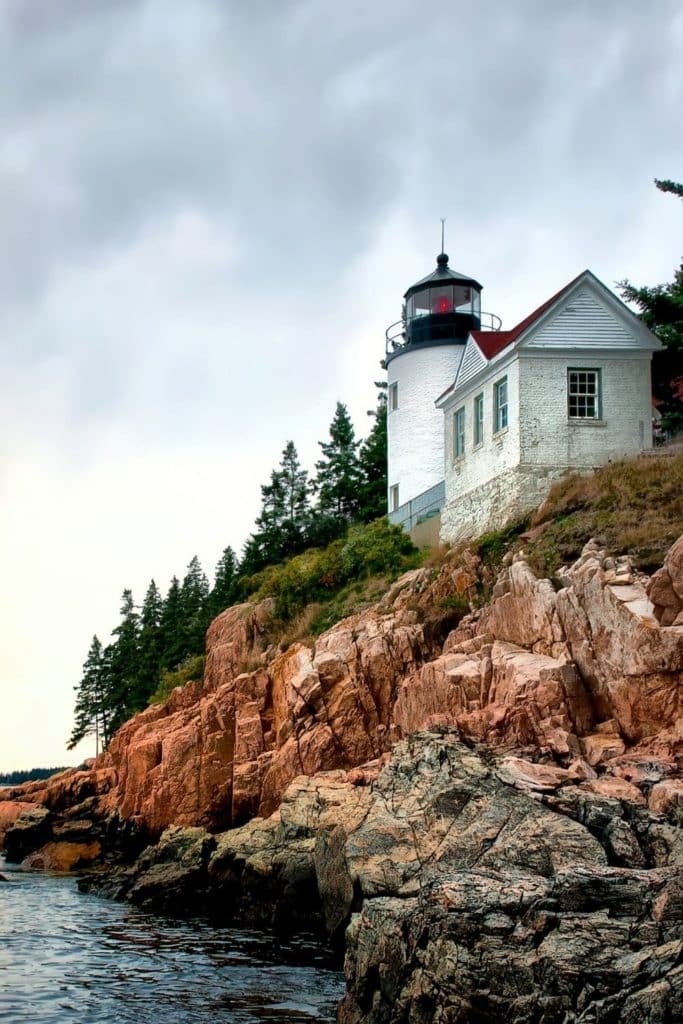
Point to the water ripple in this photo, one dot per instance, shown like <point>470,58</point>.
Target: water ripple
<point>70,958</point>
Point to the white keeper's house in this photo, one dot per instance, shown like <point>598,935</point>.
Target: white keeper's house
<point>481,421</point>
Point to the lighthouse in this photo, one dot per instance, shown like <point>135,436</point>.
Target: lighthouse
<point>423,354</point>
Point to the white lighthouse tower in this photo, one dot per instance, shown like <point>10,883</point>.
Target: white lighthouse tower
<point>423,354</point>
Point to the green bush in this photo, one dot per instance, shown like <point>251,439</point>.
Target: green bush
<point>491,547</point>
<point>191,668</point>
<point>320,573</point>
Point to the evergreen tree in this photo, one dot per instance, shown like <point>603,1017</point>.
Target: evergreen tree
<point>149,648</point>
<point>106,688</point>
<point>172,623</point>
<point>254,556</point>
<point>223,592</point>
<point>338,473</point>
<point>373,463</point>
<point>194,594</point>
<point>264,545</point>
<point>284,517</point>
<point>661,309</point>
<point>123,668</point>
<point>90,712</point>
<point>295,489</point>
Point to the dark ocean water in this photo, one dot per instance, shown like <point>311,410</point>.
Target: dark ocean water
<point>69,957</point>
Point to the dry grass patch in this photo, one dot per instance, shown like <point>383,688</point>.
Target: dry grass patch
<point>634,506</point>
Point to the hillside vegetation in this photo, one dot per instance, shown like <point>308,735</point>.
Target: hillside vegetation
<point>634,506</point>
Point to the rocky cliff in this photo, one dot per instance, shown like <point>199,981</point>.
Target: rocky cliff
<point>583,674</point>
<point>480,886</point>
<point>524,851</point>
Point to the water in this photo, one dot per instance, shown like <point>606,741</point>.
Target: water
<point>70,958</point>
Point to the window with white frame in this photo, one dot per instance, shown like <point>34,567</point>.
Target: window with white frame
<point>393,397</point>
<point>500,404</point>
<point>459,433</point>
<point>393,498</point>
<point>478,419</point>
<point>583,394</point>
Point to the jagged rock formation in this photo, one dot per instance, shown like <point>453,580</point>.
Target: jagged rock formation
<point>479,887</point>
<point>558,906</point>
<point>585,676</point>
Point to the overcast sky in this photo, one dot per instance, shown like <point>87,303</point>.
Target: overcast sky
<point>210,210</point>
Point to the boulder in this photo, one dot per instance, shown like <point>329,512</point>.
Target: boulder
<point>30,830</point>
<point>10,810</point>
<point>63,856</point>
<point>170,876</point>
<point>665,589</point>
<point>526,613</point>
<point>666,797</point>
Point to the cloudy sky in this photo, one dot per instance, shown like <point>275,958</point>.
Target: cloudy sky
<point>209,212</point>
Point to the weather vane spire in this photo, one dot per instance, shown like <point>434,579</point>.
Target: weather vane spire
<point>443,230</point>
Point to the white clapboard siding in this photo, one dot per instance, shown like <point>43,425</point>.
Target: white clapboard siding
<point>472,362</point>
<point>583,321</point>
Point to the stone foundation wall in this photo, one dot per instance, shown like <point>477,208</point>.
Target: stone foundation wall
<point>491,505</point>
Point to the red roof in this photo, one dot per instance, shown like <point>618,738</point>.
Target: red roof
<point>493,342</point>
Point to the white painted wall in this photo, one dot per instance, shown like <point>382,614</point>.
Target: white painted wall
<point>550,438</point>
<point>415,429</point>
<point>584,319</point>
<point>498,451</point>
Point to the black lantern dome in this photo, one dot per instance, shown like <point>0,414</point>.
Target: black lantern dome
<point>441,309</point>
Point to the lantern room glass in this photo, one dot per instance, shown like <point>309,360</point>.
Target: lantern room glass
<point>445,298</point>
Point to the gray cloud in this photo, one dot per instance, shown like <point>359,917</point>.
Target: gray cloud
<point>210,210</point>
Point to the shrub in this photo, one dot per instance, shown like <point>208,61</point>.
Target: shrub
<point>191,668</point>
<point>491,547</point>
<point>318,574</point>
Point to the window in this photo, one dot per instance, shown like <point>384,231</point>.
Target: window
<point>583,394</point>
<point>459,433</point>
<point>500,404</point>
<point>393,498</point>
<point>393,397</point>
<point>478,420</point>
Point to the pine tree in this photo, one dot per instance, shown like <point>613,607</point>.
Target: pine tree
<point>373,463</point>
<point>285,513</point>
<point>295,490</point>
<point>338,473</point>
<point>90,712</point>
<point>194,594</point>
<point>149,648</point>
<point>124,663</point>
<point>223,592</point>
<point>661,309</point>
<point>172,631</point>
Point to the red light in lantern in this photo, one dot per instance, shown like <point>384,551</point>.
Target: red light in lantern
<point>442,305</point>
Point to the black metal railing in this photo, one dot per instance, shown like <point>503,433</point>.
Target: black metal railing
<point>397,334</point>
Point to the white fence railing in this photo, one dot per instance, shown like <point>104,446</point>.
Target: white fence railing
<point>422,507</point>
